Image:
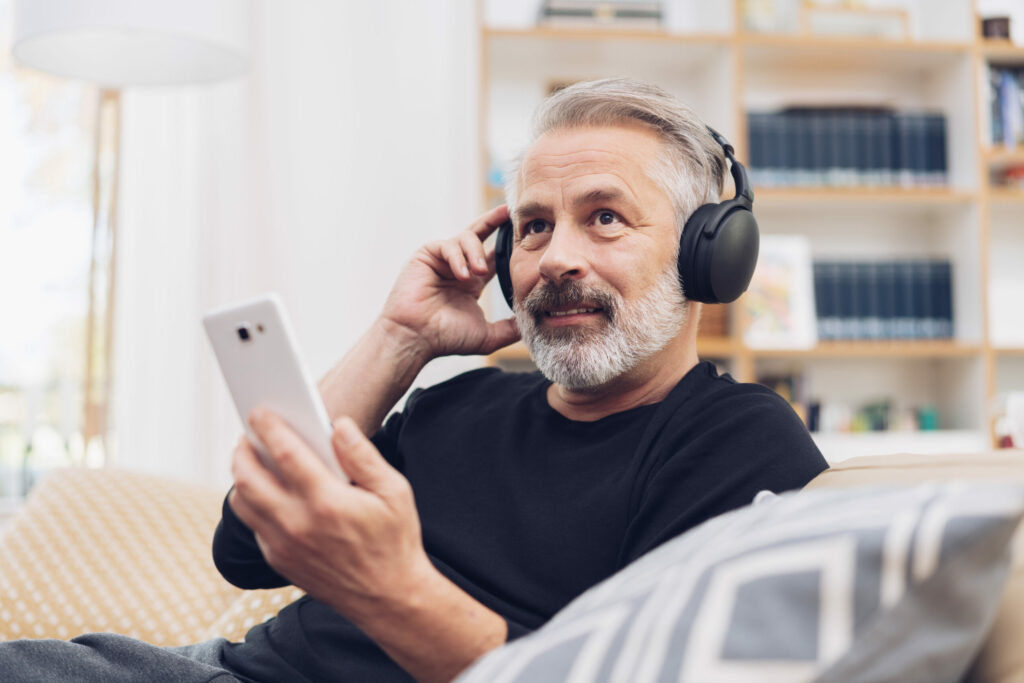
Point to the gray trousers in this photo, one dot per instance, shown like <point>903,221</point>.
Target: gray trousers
<point>110,658</point>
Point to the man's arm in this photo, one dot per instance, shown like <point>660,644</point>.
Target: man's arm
<point>432,311</point>
<point>359,548</point>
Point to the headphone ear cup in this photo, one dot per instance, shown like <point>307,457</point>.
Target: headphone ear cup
<point>733,255</point>
<point>718,252</point>
<point>692,280</point>
<point>502,258</point>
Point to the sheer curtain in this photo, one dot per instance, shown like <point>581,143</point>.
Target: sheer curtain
<point>352,142</point>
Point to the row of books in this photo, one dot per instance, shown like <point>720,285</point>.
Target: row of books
<point>910,299</point>
<point>1006,105</point>
<point>847,146</point>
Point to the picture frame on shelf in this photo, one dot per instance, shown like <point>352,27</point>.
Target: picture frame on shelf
<point>779,305</point>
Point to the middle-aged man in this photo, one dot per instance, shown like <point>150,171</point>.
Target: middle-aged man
<point>529,488</point>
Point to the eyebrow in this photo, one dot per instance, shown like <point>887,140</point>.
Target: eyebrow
<point>595,196</point>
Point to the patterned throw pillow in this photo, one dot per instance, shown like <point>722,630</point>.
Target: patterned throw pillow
<point>878,584</point>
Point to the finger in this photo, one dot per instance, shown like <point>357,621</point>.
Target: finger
<point>473,249</point>
<point>257,492</point>
<point>360,458</point>
<point>500,334</point>
<point>490,221</point>
<point>452,253</point>
<point>299,468</point>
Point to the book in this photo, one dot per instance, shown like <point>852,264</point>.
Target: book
<point>621,13</point>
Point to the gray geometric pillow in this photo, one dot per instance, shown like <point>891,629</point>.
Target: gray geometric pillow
<point>870,584</point>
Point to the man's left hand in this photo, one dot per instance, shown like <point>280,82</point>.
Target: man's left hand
<point>356,547</point>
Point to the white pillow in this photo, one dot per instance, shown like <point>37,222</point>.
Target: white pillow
<point>878,584</point>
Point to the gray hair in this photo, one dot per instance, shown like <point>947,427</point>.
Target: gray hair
<point>690,171</point>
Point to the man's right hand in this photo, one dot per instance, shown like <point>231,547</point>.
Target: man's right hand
<point>435,298</point>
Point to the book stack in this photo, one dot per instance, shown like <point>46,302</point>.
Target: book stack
<point>1006,105</point>
<point>603,13</point>
<point>884,299</point>
<point>847,146</point>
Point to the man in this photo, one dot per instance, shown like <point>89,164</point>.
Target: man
<point>528,488</point>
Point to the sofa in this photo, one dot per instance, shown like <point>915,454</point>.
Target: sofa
<point>108,550</point>
<point>96,550</point>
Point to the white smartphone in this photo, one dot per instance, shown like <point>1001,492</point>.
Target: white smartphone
<point>257,354</point>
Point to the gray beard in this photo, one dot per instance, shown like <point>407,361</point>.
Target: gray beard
<point>583,359</point>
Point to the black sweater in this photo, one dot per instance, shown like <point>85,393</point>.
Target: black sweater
<point>525,509</point>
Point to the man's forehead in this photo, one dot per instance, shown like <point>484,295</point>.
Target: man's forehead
<point>588,164</point>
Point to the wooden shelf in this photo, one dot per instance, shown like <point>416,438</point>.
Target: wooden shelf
<point>1001,157</point>
<point>1008,350</point>
<point>599,33</point>
<point>1006,194</point>
<point>923,349</point>
<point>1002,51</point>
<point>716,347</point>
<point>914,196</point>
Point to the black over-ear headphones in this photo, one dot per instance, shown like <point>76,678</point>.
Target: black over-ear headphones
<point>717,250</point>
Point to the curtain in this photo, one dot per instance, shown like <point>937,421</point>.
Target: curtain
<point>353,140</point>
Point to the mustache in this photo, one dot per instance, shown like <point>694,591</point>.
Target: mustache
<point>569,294</point>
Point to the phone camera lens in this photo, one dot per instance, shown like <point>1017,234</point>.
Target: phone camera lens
<point>243,333</point>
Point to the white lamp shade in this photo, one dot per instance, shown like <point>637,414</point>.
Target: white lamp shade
<point>115,43</point>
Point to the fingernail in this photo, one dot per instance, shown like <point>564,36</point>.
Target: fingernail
<point>257,416</point>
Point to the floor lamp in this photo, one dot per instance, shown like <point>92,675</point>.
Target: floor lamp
<point>116,44</point>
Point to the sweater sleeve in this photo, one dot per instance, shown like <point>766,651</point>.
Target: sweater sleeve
<point>753,442</point>
<point>237,556</point>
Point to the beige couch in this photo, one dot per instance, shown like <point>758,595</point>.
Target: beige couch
<point>103,550</point>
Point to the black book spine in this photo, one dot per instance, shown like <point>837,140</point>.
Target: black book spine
<point>821,300</point>
<point>886,300</point>
<point>888,163</point>
<point>819,146</point>
<point>847,313</point>
<point>922,287</point>
<point>904,309</point>
<point>942,298</point>
<point>834,156</point>
<point>920,149</point>
<point>863,129</point>
<point>871,324</point>
<point>941,177</point>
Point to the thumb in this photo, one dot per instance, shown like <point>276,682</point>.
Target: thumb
<point>500,334</point>
<point>359,458</point>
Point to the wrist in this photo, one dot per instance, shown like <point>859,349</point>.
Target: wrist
<point>429,626</point>
<point>401,342</point>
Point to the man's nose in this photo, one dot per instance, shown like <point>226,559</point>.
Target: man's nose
<point>564,256</point>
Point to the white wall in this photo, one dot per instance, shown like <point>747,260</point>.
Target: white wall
<point>352,142</point>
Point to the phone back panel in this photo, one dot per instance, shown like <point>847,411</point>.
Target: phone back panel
<point>265,370</point>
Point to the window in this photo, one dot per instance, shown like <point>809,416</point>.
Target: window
<point>48,191</point>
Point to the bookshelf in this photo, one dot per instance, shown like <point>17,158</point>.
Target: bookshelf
<point>723,71</point>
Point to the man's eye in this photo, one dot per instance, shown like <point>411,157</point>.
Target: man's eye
<point>535,227</point>
<point>606,217</point>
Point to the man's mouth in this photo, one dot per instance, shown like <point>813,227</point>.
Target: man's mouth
<point>571,311</point>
